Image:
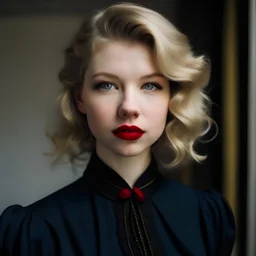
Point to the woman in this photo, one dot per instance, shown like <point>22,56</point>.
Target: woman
<point>131,87</point>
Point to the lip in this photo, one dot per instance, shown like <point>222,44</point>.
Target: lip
<point>127,128</point>
<point>126,132</point>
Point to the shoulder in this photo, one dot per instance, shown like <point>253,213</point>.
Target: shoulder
<point>23,231</point>
<point>209,202</point>
<point>73,194</point>
<point>216,219</point>
<point>31,227</point>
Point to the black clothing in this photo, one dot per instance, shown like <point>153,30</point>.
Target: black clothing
<point>99,214</point>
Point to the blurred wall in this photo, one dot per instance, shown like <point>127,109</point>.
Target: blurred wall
<point>31,54</point>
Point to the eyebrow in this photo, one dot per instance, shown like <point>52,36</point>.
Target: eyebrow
<point>116,77</point>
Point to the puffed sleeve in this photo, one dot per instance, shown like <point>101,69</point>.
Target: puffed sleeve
<point>218,223</point>
<point>24,233</point>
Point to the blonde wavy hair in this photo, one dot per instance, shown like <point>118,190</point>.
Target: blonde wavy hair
<point>188,119</point>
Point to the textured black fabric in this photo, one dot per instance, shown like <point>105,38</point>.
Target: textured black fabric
<point>89,218</point>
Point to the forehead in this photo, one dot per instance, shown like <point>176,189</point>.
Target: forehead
<point>123,57</point>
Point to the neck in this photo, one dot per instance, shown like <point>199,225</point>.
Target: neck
<point>130,168</point>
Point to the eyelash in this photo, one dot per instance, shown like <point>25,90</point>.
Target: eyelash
<point>97,86</point>
<point>157,85</point>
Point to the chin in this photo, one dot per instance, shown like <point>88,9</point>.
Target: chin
<point>126,148</point>
<point>131,151</point>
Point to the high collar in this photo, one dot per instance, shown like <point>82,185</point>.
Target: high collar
<point>109,183</point>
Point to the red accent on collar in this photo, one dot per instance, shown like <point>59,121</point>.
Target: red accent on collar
<point>126,193</point>
<point>139,194</point>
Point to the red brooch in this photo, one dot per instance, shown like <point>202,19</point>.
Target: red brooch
<point>139,194</point>
<point>126,193</point>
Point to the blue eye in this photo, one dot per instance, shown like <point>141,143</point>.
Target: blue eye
<point>104,86</point>
<point>152,85</point>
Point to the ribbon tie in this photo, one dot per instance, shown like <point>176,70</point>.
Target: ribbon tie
<point>126,193</point>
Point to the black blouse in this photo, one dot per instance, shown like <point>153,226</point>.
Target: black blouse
<point>136,231</point>
<point>99,214</point>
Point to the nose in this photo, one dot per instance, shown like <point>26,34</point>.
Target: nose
<point>129,106</point>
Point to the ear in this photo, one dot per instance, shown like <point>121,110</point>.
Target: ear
<point>80,104</point>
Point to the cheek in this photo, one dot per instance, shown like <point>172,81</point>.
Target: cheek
<point>160,117</point>
<point>159,112</point>
<point>99,114</point>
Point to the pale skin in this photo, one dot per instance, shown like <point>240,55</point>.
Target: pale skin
<point>130,90</point>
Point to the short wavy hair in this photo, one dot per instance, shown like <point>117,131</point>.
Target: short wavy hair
<point>188,119</point>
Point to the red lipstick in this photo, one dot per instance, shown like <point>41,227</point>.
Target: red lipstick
<point>126,132</point>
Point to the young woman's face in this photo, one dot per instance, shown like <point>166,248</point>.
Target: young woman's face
<point>122,86</point>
